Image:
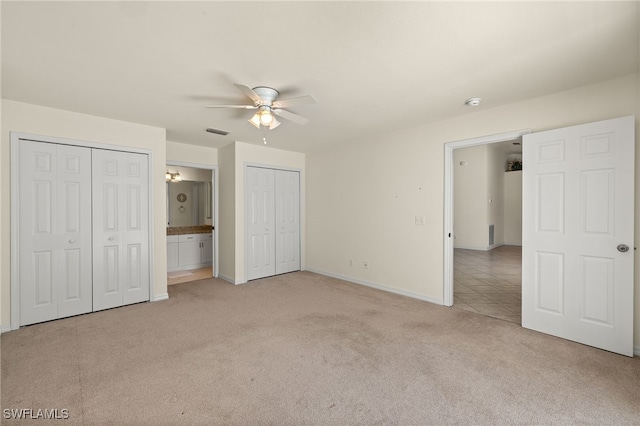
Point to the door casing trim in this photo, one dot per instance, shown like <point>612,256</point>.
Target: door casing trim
<point>14,219</point>
<point>447,291</point>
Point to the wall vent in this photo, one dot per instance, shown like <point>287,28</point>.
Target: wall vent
<point>491,230</point>
<point>217,131</point>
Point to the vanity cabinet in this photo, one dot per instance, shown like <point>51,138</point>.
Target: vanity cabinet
<point>172,252</point>
<point>189,251</point>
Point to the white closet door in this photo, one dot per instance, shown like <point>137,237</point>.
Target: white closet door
<point>259,213</point>
<point>55,231</point>
<point>120,228</point>
<point>287,221</point>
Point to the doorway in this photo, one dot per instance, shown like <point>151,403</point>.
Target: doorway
<point>578,184</point>
<point>474,272</point>
<point>488,229</point>
<point>192,212</point>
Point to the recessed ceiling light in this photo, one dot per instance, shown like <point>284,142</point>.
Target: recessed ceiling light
<point>472,102</point>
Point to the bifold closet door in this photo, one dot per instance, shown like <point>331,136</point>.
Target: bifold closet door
<point>260,210</point>
<point>120,228</point>
<point>287,190</point>
<point>273,222</point>
<point>54,231</point>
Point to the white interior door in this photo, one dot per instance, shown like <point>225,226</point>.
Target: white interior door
<point>260,222</point>
<point>287,221</point>
<point>55,231</point>
<point>120,228</point>
<point>578,213</point>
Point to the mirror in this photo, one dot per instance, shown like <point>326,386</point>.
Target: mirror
<point>189,201</point>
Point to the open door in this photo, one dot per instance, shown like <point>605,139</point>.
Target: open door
<point>578,233</point>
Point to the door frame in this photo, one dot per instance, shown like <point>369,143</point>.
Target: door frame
<point>214,200</point>
<point>14,219</point>
<point>245,237</point>
<point>448,200</point>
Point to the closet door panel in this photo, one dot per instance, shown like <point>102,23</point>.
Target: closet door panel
<point>121,236</point>
<point>135,249</point>
<point>106,184</point>
<point>287,221</point>
<point>54,231</point>
<point>260,222</point>
<point>74,223</point>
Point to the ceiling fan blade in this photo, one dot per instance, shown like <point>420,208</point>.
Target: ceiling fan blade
<point>248,91</point>
<point>291,116</point>
<point>301,100</point>
<point>232,106</point>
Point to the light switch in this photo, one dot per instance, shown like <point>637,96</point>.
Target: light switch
<point>419,220</point>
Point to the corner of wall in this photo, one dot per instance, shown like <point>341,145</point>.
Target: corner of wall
<point>226,212</point>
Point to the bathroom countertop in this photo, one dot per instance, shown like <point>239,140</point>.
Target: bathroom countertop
<point>182,230</point>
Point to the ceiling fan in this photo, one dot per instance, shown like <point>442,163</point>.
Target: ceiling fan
<point>265,100</point>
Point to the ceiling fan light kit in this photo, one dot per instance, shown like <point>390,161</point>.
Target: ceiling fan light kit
<point>265,100</point>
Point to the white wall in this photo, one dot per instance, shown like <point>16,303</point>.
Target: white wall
<point>27,118</point>
<point>363,196</point>
<point>178,216</point>
<point>470,194</point>
<point>513,208</point>
<point>478,196</point>
<point>227,212</point>
<point>194,154</point>
<point>496,160</point>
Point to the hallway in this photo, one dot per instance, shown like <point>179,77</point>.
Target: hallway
<point>489,282</point>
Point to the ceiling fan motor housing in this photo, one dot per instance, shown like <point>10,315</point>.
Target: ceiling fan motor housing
<point>267,94</point>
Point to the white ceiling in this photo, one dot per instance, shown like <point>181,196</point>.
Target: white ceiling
<point>373,66</point>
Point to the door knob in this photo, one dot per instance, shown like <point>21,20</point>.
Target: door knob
<point>71,241</point>
<point>111,238</point>
<point>623,248</point>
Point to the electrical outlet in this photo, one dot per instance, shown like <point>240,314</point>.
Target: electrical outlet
<point>419,220</point>
<point>366,264</point>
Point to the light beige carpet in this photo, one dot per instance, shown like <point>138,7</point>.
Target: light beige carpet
<point>303,349</point>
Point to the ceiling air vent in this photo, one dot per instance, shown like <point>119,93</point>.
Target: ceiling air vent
<point>217,131</point>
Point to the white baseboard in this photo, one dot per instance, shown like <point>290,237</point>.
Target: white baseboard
<point>159,297</point>
<point>378,286</point>
<point>484,248</point>
<point>230,280</point>
<point>519,244</point>
<point>4,328</point>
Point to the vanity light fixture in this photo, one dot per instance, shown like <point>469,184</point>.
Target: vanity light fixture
<point>173,177</point>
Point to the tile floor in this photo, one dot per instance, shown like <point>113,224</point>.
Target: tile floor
<point>489,282</point>
<point>178,277</point>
